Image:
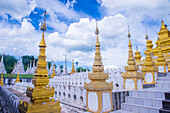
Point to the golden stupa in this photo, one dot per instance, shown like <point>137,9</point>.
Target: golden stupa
<point>164,40</point>
<point>131,73</point>
<point>53,74</point>
<point>98,88</point>
<point>149,69</point>
<point>72,70</point>
<point>1,82</point>
<point>40,95</point>
<point>17,80</point>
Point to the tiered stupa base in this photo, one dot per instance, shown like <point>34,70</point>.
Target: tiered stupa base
<point>42,107</point>
<point>132,80</point>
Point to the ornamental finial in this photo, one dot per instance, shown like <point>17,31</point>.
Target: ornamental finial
<point>129,32</point>
<point>97,30</point>
<point>146,37</point>
<point>44,27</point>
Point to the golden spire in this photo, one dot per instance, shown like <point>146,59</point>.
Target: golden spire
<point>163,25</point>
<point>72,71</point>
<point>40,94</point>
<point>137,55</point>
<point>129,32</point>
<point>131,61</point>
<point>17,80</point>
<point>97,30</point>
<point>98,64</point>
<point>160,55</point>
<point>148,58</point>
<point>43,28</point>
<point>146,37</point>
<point>98,83</point>
<point>1,82</point>
<point>53,74</point>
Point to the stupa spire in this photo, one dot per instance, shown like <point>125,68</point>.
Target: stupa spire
<point>131,69</point>
<point>17,80</point>
<point>53,74</point>
<point>131,61</point>
<point>1,82</point>
<point>129,35</point>
<point>98,64</point>
<point>72,71</point>
<point>137,55</point>
<point>98,85</point>
<point>149,68</point>
<point>40,95</point>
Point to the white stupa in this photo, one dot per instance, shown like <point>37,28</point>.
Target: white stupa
<point>32,70</point>
<point>2,67</point>
<point>19,67</point>
<point>65,68</point>
<point>59,70</point>
<point>51,68</point>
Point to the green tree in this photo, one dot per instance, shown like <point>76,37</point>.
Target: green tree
<point>9,62</point>
<point>26,60</point>
<point>80,69</point>
<point>61,68</point>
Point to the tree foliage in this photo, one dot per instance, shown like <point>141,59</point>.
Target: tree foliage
<point>9,62</point>
<point>80,69</point>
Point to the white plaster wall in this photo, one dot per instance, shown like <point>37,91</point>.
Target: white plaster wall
<point>139,84</point>
<point>148,77</point>
<point>129,84</point>
<point>156,76</point>
<point>106,103</point>
<point>93,101</point>
<point>76,83</point>
<point>160,69</point>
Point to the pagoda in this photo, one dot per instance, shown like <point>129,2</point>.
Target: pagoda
<point>99,92</point>
<point>132,79</point>
<point>58,70</point>
<point>138,57</point>
<point>40,95</point>
<point>160,61</point>
<point>53,74</point>
<point>17,80</point>
<point>2,67</point>
<point>164,40</point>
<point>1,82</point>
<point>72,71</point>
<point>149,69</point>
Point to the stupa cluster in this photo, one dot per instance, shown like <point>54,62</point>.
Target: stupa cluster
<point>156,61</point>
<point>93,90</point>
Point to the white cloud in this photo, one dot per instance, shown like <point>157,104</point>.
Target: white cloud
<point>19,40</point>
<point>71,3</point>
<point>17,9</point>
<point>79,40</point>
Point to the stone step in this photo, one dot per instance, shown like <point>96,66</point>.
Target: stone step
<point>151,94</point>
<point>121,111</point>
<point>163,81</point>
<point>164,110</point>
<point>166,104</point>
<point>144,101</point>
<point>162,85</point>
<point>167,95</point>
<point>139,108</point>
<point>164,78</point>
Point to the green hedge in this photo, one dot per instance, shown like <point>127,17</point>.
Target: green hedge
<point>20,76</point>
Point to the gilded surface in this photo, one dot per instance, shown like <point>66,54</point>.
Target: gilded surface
<point>72,70</point>
<point>1,82</point>
<point>132,68</point>
<point>17,80</point>
<point>98,78</point>
<point>40,95</point>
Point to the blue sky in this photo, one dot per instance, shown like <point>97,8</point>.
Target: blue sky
<point>71,26</point>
